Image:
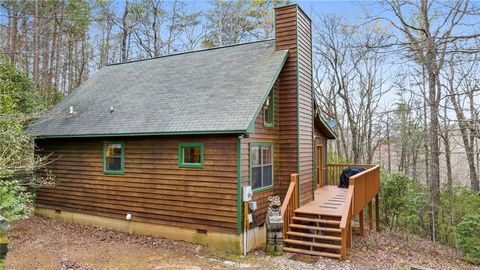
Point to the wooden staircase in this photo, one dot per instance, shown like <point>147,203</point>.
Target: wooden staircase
<point>314,235</point>
<point>323,227</point>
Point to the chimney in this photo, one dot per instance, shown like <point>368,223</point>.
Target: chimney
<point>293,30</point>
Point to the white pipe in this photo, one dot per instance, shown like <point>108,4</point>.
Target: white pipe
<point>244,232</point>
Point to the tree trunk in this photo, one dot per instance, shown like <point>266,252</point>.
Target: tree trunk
<point>36,37</point>
<point>434,151</point>
<point>388,147</point>
<point>124,56</point>
<point>13,32</point>
<point>448,151</point>
<point>468,135</point>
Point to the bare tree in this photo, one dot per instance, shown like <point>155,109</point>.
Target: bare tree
<point>353,79</point>
<point>463,85</point>
<point>427,31</point>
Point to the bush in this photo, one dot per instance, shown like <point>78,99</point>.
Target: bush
<point>468,231</point>
<point>406,206</point>
<point>452,209</point>
<point>14,200</point>
<point>401,202</point>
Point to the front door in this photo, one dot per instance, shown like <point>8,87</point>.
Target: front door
<point>319,166</point>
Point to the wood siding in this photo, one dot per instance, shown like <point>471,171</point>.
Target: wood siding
<point>293,27</point>
<point>153,189</point>
<point>305,107</point>
<point>285,29</point>
<point>264,134</point>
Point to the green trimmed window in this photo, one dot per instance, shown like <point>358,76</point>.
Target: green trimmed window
<point>113,157</point>
<point>261,166</point>
<point>268,111</point>
<point>190,155</point>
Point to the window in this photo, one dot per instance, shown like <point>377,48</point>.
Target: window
<point>261,166</point>
<point>113,155</point>
<point>190,155</point>
<point>268,111</point>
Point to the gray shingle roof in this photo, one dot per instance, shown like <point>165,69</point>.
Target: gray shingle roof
<point>209,91</point>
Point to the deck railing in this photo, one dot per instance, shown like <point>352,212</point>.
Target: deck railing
<point>334,170</point>
<point>366,186</point>
<point>363,187</point>
<point>290,203</point>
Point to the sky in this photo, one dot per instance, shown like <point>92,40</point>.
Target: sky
<point>349,9</point>
<point>352,11</point>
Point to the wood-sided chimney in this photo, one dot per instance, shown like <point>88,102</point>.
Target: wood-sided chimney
<point>293,30</point>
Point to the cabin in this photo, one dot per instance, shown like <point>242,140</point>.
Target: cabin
<point>165,147</point>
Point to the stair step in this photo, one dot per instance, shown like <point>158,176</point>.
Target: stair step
<point>324,221</point>
<point>313,244</point>
<point>323,229</point>
<point>309,212</point>
<point>311,252</point>
<point>316,236</point>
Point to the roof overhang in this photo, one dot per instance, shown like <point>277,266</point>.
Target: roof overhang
<point>100,135</point>
<point>324,127</point>
<point>322,124</point>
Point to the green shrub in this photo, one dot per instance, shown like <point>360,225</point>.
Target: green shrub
<point>14,200</point>
<point>401,202</point>
<point>468,231</point>
<point>453,207</point>
<point>331,159</point>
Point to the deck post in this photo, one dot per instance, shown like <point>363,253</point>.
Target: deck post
<point>377,213</point>
<point>362,223</point>
<point>370,216</point>
<point>294,178</point>
<point>350,235</point>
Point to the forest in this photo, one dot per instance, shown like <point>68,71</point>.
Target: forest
<point>400,79</point>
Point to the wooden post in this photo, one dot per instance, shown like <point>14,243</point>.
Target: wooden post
<point>370,216</point>
<point>245,226</point>
<point>349,235</point>
<point>362,223</point>
<point>294,178</point>
<point>377,213</point>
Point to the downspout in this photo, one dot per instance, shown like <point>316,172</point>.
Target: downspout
<point>239,191</point>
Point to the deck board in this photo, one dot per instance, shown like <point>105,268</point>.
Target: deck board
<point>328,200</point>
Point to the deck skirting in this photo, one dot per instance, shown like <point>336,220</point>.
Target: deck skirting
<point>231,243</point>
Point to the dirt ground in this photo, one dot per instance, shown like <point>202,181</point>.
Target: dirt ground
<point>40,243</point>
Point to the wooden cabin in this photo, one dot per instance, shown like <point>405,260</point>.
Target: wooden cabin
<point>164,147</point>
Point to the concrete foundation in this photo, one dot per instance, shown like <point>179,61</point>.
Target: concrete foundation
<point>230,243</point>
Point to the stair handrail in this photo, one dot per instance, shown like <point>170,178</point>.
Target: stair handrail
<point>290,203</point>
<point>346,223</point>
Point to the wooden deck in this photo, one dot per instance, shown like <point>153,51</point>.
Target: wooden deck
<point>328,201</point>
<point>323,227</point>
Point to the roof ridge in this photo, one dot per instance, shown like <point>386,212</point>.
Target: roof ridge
<point>189,52</point>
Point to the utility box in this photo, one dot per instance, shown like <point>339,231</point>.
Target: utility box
<point>247,193</point>
<point>274,227</point>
